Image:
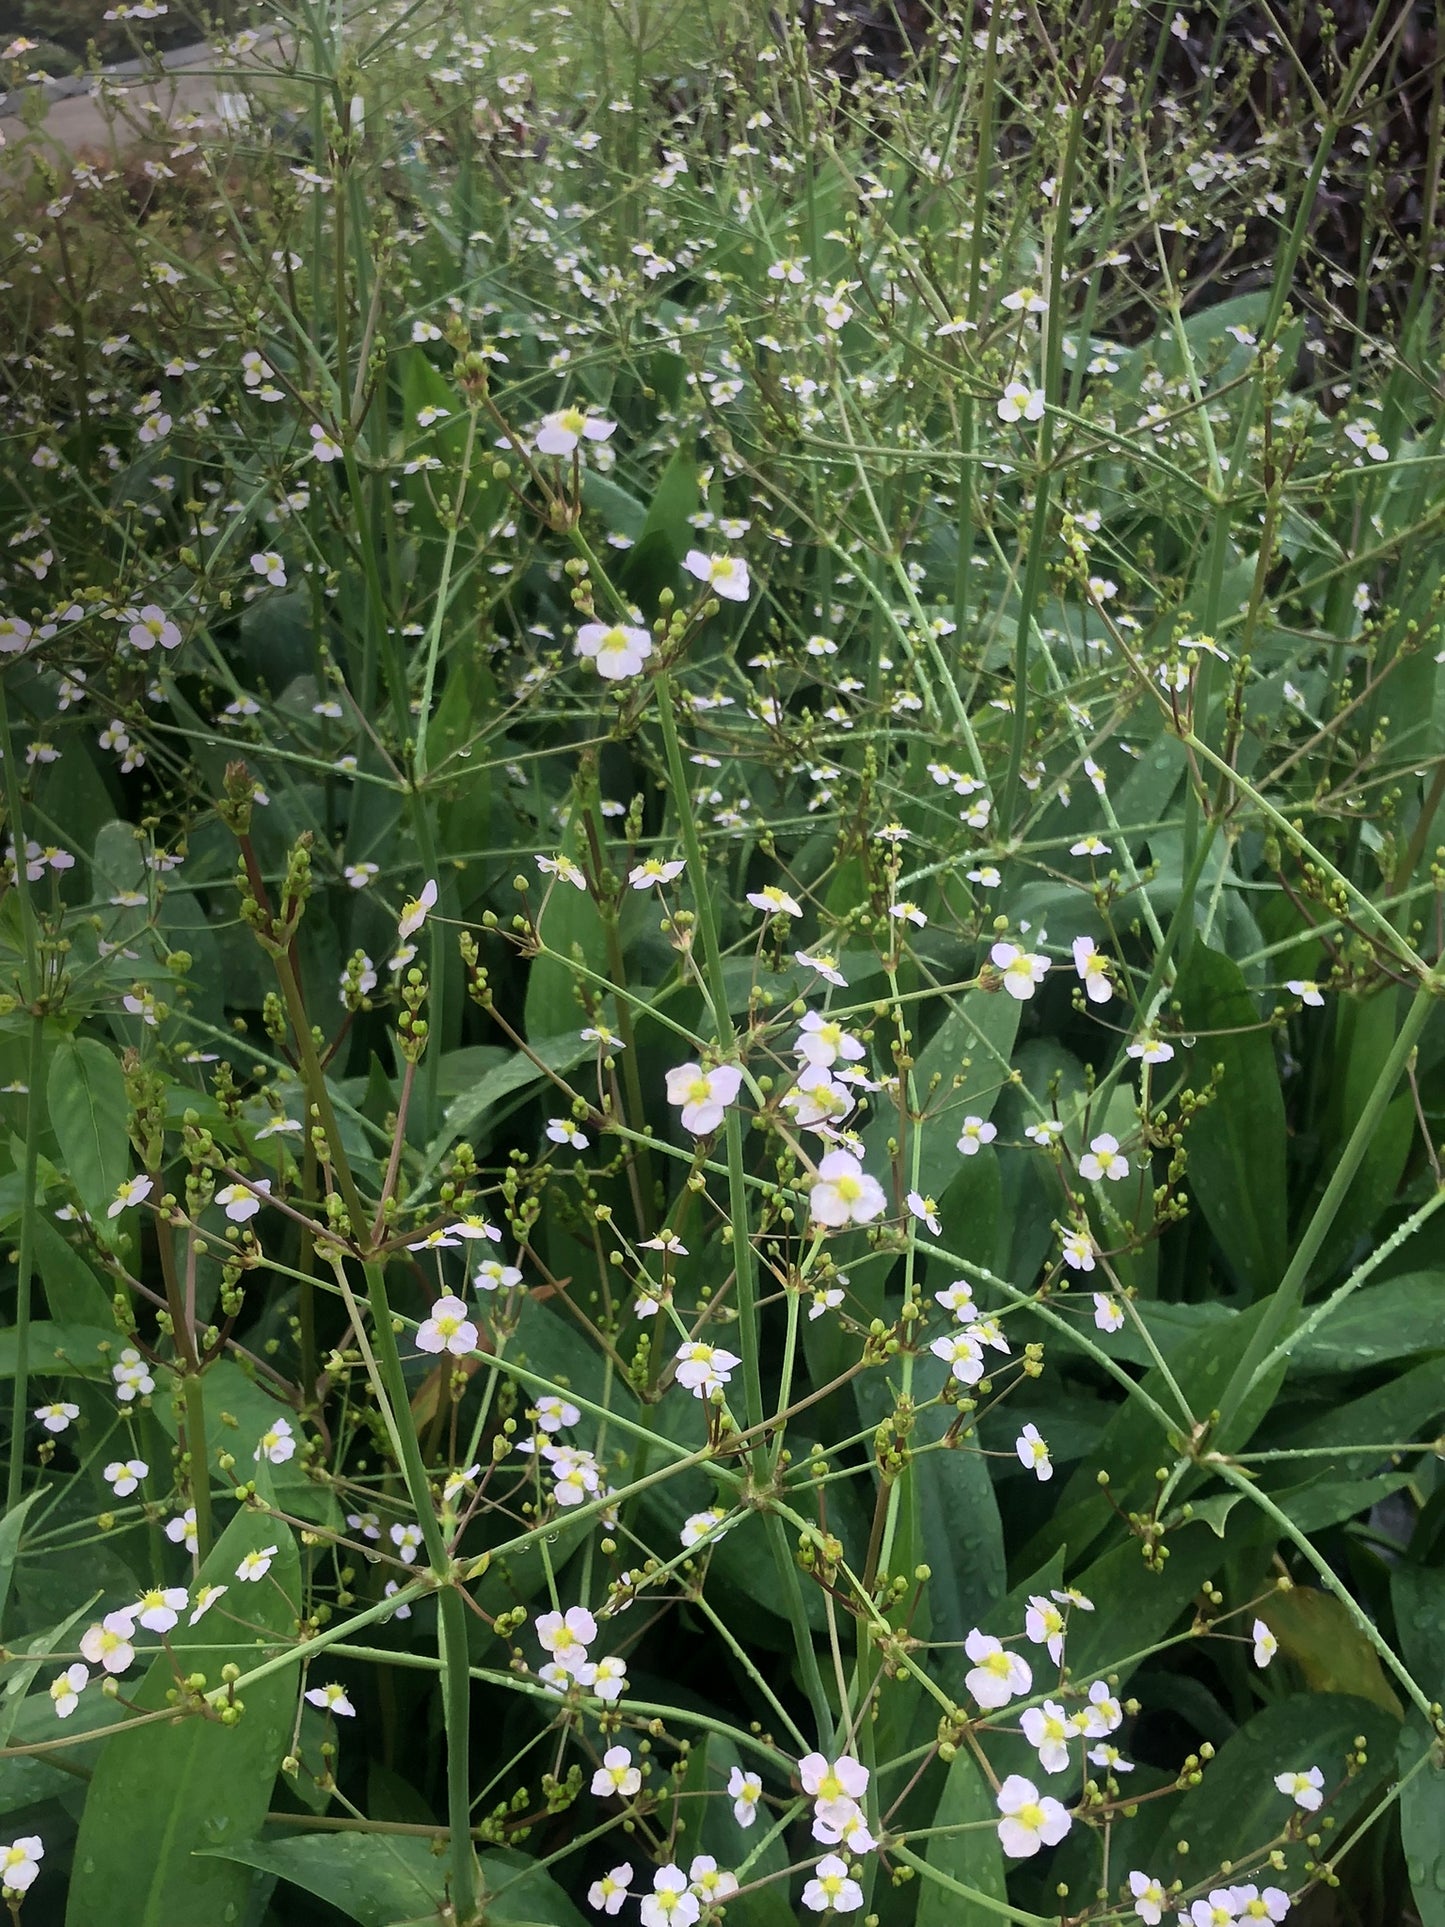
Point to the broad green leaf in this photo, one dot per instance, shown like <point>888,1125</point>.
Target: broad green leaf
<point>1236,1144</point>
<point>63,1351</point>
<point>373,1878</point>
<point>1395,1319</point>
<point>1317,1631</point>
<point>162,1794</point>
<point>12,1526</point>
<point>666,534</point>
<point>1418,1596</point>
<point>972,1859</point>
<point>89,1113</point>
<point>1238,1804</point>
<point>517,1073</point>
<point>383,1880</point>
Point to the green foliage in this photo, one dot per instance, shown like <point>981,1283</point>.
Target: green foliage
<point>721,779</point>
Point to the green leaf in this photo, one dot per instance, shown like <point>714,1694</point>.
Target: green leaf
<point>666,534</point>
<point>89,1113</point>
<point>1418,1596</point>
<point>1318,1632</point>
<point>63,1351</point>
<point>373,1878</point>
<point>1394,1319</point>
<point>516,1074</point>
<point>162,1794</point>
<point>385,1880</point>
<point>1236,1144</point>
<point>1238,1801</point>
<point>972,1860</point>
<point>11,1528</point>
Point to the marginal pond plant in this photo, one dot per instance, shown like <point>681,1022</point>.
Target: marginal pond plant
<point>721,968</point>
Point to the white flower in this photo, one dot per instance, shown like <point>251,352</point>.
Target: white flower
<point>707,1524</point>
<point>566,1636</point>
<point>653,870</point>
<point>962,1354</point>
<point>408,1541</point>
<point>1250,1904</point>
<point>704,1369</point>
<point>1093,968</point>
<point>413,911</point>
<point>331,1699</point>
<point>1265,1644</point>
<point>671,1903</point>
<point>324,446</point>
<point>1047,1730</point>
<point>1152,1050</point>
<point>277,1444</point>
<point>1108,1312</point>
<point>1044,1625</point>
<point>1030,1821</point>
<point>831,1890</point>
<point>608,1893</point>
<point>844,1192</point>
<point>20,1863</point>
<point>958,1299</point>
<point>975,1133</point>
<point>241,1202</point>
<point>616,1775</point>
<point>151,625</point>
<point>726,575</point>
<point>1150,1899</point>
<point>562,1130</point>
<point>130,1191</point>
<point>1104,1159</point>
<point>270,566</point>
<point>925,1209</point>
<point>160,1608</point>
<point>1101,1716</point>
<point>618,649</point>
<point>448,1329</point>
<point>563,868</point>
<point>1034,1453</point>
<point>132,1377</point>
<point>1020,403</point>
<point>109,1643</point>
<point>1022,970</point>
<point>775,902</point>
<point>206,1597</point>
<point>492,1275</point>
<point>256,1564</point>
<point>1305,1789</point>
<point>1090,845</point>
<point>997,1675</point>
<point>562,432</point>
<point>182,1530</point>
<point>711,1883</point>
<point>1078,1250</point>
<point>836,1786</point>
<point>57,1416</point>
<point>825,965</point>
<point>67,1687</point>
<point>1307,990</point>
<point>744,1790</point>
<point>823,1040</point>
<point>609,1678</point>
<point>817,1098</point>
<point>703,1095</point>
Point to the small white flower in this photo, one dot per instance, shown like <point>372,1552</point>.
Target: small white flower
<point>1305,1789</point>
<point>160,1608</point>
<point>1020,403</point>
<point>744,1790</point>
<point>1047,1730</point>
<point>1030,1820</point>
<point>563,432</point>
<point>57,1416</point>
<point>1093,968</point>
<point>132,1377</point>
<point>109,1643</point>
<point>20,1863</point>
<point>270,567</point>
<point>256,1563</point>
<point>1108,1312</point>
<point>617,1776</point>
<point>67,1687</point>
<point>1104,1159</point>
<point>562,1130</point>
<point>206,1597</point>
<point>566,1636</point>
<point>831,1890</point>
<point>608,1893</point>
<point>407,1538</point>
<point>976,1132</point>
<point>1265,1644</point>
<point>414,910</point>
<point>844,1192</point>
<point>1150,1050</point>
<point>618,649</point>
<point>653,870</point>
<point>774,902</point>
<point>726,575</point>
<point>703,1095</point>
<point>448,1329</point>
<point>241,1202</point>
<point>997,1675</point>
<point>1150,1899</point>
<point>1022,970</point>
<point>703,1368</point>
<point>1034,1453</point>
<point>130,1191</point>
<point>1307,990</point>
<point>277,1444</point>
<point>331,1699</point>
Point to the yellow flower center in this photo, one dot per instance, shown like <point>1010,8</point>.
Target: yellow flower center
<point>1030,1815</point>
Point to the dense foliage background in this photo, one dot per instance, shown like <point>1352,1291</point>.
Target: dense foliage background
<point>722,741</point>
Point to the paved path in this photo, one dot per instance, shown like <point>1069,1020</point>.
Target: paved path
<point>76,122</point>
